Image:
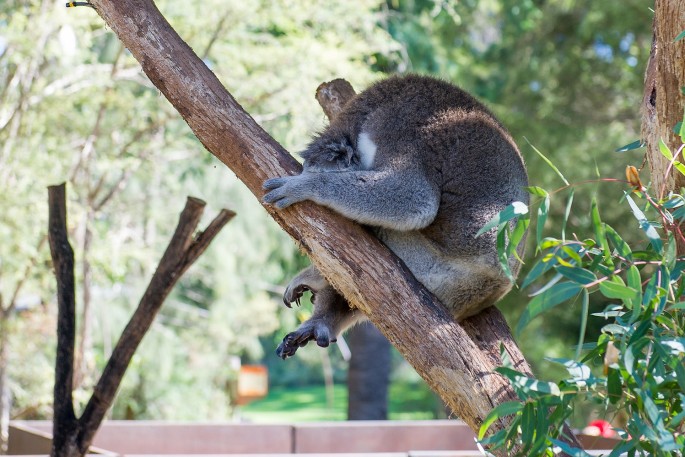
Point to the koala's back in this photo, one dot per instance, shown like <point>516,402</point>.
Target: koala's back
<point>463,149</point>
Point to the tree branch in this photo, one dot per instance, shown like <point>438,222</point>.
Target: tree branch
<point>351,259</point>
<point>182,251</point>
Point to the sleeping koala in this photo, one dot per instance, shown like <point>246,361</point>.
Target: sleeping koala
<point>425,166</point>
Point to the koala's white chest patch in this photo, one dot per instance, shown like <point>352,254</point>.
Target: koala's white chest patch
<point>367,150</point>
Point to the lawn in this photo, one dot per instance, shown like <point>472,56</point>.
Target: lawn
<point>408,401</point>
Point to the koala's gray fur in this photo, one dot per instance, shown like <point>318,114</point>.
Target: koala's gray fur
<point>425,165</point>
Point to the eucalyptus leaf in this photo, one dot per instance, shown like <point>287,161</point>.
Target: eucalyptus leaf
<point>513,210</point>
<point>502,410</point>
<point>649,230</point>
<point>577,274</point>
<point>559,293</point>
<point>637,144</point>
<point>612,289</point>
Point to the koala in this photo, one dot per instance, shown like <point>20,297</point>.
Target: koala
<point>424,165</point>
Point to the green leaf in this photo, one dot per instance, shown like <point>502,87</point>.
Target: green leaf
<point>567,213</point>
<point>555,279</point>
<point>600,232</point>
<point>680,36</point>
<point>620,245</point>
<point>569,450</point>
<point>529,385</point>
<point>548,162</point>
<point>635,282</point>
<point>679,166</point>
<point>503,409</point>
<point>675,346</point>
<point>680,376</point>
<point>614,386</point>
<point>543,211</point>
<point>541,267</point>
<point>614,329</point>
<point>612,289</point>
<point>498,439</point>
<point>611,310</point>
<point>517,236</point>
<point>543,302</point>
<point>577,274</point>
<point>679,305</point>
<point>510,212</point>
<point>583,321</point>
<point>502,254</point>
<point>637,144</point>
<point>528,421</point>
<point>670,252</point>
<point>580,373</point>
<point>649,230</point>
<point>536,191</point>
<point>664,149</point>
<point>572,254</point>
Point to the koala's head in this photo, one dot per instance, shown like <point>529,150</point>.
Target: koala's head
<point>334,156</point>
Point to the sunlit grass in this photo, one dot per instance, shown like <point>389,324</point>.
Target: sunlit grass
<point>309,404</point>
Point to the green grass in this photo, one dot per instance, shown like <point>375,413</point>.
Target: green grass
<point>309,404</point>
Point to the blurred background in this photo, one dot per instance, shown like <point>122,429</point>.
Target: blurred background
<point>564,76</point>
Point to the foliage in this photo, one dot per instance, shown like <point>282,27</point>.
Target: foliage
<point>641,348</point>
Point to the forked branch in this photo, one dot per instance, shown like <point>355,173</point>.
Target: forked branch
<point>71,436</point>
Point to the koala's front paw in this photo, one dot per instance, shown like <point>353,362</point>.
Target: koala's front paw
<point>293,293</point>
<point>285,191</point>
<point>310,330</point>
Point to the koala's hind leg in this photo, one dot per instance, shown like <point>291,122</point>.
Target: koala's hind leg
<point>331,316</point>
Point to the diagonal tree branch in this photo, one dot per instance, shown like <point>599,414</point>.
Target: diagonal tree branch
<point>182,251</point>
<point>459,368</point>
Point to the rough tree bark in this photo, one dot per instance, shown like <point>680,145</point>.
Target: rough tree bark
<point>73,436</point>
<point>457,361</point>
<point>663,101</point>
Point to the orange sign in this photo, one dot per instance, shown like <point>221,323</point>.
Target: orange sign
<point>253,383</point>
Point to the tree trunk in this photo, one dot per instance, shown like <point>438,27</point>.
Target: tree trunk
<point>456,364</point>
<point>368,376</point>
<point>663,102</point>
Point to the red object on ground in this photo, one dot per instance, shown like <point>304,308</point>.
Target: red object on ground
<point>600,427</point>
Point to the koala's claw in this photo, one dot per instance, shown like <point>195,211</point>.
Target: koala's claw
<point>294,294</point>
<point>309,331</point>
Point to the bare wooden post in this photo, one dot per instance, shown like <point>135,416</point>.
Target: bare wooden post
<point>71,436</point>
